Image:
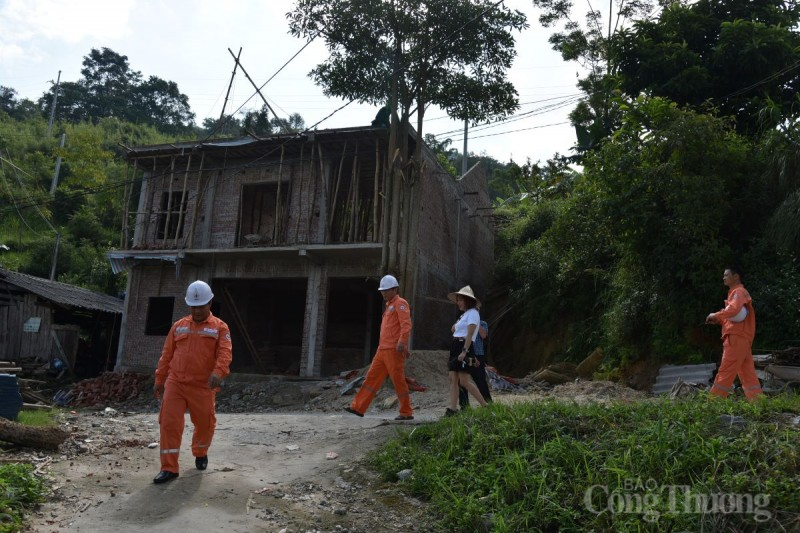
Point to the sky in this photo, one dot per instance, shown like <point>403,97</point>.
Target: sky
<point>188,42</point>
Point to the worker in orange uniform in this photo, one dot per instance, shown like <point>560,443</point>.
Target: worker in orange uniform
<point>195,359</point>
<point>390,359</point>
<point>738,320</point>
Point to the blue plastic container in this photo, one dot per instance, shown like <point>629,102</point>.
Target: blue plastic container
<point>10,398</point>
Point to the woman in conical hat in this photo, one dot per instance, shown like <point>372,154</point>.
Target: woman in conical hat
<point>462,354</point>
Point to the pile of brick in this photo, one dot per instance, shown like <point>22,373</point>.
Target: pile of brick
<point>109,387</point>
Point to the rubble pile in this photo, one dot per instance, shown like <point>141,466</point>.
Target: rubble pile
<point>564,372</point>
<point>109,387</point>
<point>780,369</point>
<point>789,356</point>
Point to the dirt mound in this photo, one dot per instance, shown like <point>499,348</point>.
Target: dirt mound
<point>427,367</point>
<point>579,391</point>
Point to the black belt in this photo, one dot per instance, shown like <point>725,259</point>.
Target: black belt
<point>462,339</point>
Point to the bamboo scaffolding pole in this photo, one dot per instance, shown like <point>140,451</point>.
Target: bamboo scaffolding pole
<point>336,191</point>
<point>387,177</point>
<point>149,213</point>
<point>366,219</point>
<point>240,217</point>
<point>276,228</point>
<point>169,205</point>
<point>322,201</point>
<point>376,193</point>
<point>300,194</point>
<point>356,203</point>
<point>125,212</point>
<point>310,192</point>
<point>184,194</point>
<point>199,193</point>
<point>347,226</point>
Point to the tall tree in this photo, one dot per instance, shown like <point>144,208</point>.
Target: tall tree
<point>110,88</point>
<point>411,54</point>
<point>160,103</point>
<point>109,82</point>
<point>738,56</point>
<point>589,43</point>
<point>8,99</point>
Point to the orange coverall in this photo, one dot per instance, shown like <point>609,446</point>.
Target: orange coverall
<point>395,328</point>
<point>191,353</point>
<point>737,343</point>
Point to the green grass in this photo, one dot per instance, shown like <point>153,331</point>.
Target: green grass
<point>37,417</point>
<point>20,488</point>
<point>649,466</point>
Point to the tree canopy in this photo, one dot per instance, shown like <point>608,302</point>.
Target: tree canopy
<point>451,53</point>
<point>739,56</point>
<point>110,88</point>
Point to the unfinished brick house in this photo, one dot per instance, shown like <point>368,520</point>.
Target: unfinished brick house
<point>293,232</point>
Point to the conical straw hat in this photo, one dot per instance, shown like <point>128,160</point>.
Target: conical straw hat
<point>464,291</point>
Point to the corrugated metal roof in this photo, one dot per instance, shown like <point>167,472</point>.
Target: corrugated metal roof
<point>669,374</point>
<point>62,293</point>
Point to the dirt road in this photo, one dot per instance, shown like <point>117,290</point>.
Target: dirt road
<point>275,472</point>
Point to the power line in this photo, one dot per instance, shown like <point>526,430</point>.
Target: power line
<point>309,129</point>
<point>528,114</point>
<point>515,131</point>
<point>35,205</point>
<point>521,104</point>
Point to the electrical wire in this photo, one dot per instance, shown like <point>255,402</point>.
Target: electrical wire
<point>439,43</point>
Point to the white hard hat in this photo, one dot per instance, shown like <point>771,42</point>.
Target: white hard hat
<point>388,282</point>
<point>741,315</point>
<point>198,294</point>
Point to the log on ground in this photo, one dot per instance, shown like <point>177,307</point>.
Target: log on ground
<point>41,438</point>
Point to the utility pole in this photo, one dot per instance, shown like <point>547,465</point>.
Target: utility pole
<point>464,167</point>
<point>53,107</point>
<point>55,256</point>
<point>54,184</point>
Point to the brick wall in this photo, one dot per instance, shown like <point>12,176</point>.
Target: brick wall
<point>453,250</point>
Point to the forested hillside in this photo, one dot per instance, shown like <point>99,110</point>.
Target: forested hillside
<point>61,206</point>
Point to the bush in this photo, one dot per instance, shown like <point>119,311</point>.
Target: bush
<point>20,491</point>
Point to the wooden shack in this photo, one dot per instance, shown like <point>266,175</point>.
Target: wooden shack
<point>43,320</point>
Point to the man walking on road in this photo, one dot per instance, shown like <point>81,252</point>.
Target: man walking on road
<point>738,320</point>
<point>195,359</point>
<point>390,359</point>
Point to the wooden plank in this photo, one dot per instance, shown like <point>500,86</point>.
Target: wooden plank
<point>61,350</point>
<point>36,407</point>
<point>248,342</point>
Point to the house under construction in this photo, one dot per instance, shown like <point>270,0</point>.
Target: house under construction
<point>293,232</point>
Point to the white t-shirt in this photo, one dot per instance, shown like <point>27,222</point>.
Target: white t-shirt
<point>470,316</point>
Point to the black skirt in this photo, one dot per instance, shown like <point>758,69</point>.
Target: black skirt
<point>456,347</point>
